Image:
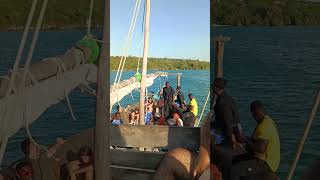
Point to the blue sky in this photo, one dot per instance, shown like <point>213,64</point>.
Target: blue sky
<point>178,28</point>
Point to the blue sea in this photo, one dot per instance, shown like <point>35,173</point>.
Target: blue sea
<point>57,121</point>
<point>281,67</point>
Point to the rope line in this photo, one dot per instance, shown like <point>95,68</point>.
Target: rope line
<point>14,70</point>
<point>126,53</point>
<point>127,41</point>
<point>204,107</point>
<point>89,18</point>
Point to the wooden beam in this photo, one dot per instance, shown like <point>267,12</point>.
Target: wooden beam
<point>101,139</point>
<point>137,136</point>
<point>144,64</point>
<point>222,38</point>
<point>123,174</point>
<point>155,136</point>
<point>178,79</point>
<point>219,43</point>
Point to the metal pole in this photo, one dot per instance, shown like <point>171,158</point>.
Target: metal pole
<point>102,151</point>
<point>144,64</point>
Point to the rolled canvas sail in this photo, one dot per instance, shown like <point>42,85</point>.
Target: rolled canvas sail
<point>120,90</point>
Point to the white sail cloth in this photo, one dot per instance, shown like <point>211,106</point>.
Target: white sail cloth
<point>39,97</point>
<point>119,90</point>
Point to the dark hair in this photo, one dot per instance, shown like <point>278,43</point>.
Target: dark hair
<point>86,151</point>
<point>25,146</point>
<point>22,164</point>
<point>219,83</point>
<point>118,107</point>
<point>178,87</point>
<point>256,105</point>
<point>312,171</point>
<point>190,94</point>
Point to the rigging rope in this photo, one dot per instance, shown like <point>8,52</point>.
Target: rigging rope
<point>89,18</point>
<point>141,37</point>
<point>204,107</point>
<point>4,137</point>
<point>26,70</point>
<point>126,53</point>
<point>128,39</point>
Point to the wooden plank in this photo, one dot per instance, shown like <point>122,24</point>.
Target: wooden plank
<point>155,136</point>
<point>136,159</point>
<point>123,174</point>
<point>222,38</point>
<point>137,136</point>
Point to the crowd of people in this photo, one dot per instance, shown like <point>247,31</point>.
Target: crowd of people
<point>39,164</point>
<point>170,109</point>
<point>236,156</point>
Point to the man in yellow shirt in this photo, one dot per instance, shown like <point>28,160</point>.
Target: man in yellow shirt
<point>193,104</point>
<point>264,148</point>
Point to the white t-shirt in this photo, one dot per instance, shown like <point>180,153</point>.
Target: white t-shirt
<point>181,122</point>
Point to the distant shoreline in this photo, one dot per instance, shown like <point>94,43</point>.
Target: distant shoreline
<point>48,28</point>
<point>155,63</point>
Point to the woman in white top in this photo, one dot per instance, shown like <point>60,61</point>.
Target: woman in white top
<point>177,119</point>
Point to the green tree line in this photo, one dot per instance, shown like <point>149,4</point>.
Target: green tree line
<point>160,64</point>
<point>265,12</point>
<point>62,14</point>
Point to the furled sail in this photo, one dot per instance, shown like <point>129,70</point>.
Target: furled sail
<point>119,90</point>
<point>48,82</point>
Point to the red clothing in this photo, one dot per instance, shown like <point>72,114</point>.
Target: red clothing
<point>215,174</point>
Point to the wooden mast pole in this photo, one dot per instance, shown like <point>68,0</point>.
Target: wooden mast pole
<point>178,79</point>
<point>144,64</point>
<point>102,151</point>
<point>219,41</point>
<point>304,136</point>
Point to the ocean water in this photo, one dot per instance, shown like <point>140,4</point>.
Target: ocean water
<point>57,121</point>
<point>281,67</point>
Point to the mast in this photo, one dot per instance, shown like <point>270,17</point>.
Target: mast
<point>144,64</point>
<point>102,151</point>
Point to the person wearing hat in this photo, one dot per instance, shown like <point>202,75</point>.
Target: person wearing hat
<point>193,105</point>
<point>180,97</point>
<point>226,127</point>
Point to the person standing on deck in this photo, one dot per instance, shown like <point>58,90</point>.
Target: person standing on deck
<point>168,95</point>
<point>193,104</point>
<point>226,125</point>
<point>180,97</point>
<point>263,147</point>
<point>226,128</point>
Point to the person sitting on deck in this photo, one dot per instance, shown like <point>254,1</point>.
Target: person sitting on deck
<point>178,121</point>
<point>134,117</point>
<point>149,107</point>
<point>188,117</point>
<point>38,158</point>
<point>21,171</point>
<point>82,169</point>
<point>263,147</point>
<point>117,119</point>
<point>193,104</point>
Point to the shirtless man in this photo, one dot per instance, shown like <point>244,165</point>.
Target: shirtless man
<point>135,117</point>
<point>181,163</point>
